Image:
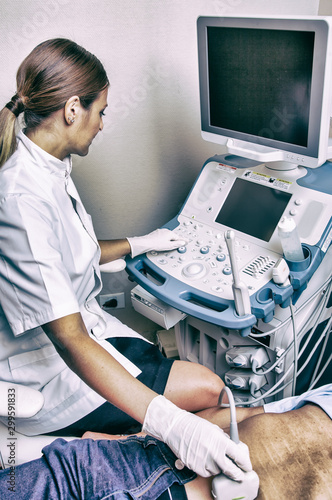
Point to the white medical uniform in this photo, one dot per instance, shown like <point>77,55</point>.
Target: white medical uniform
<point>49,268</point>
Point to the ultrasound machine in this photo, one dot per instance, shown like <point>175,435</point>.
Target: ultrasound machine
<point>239,302</point>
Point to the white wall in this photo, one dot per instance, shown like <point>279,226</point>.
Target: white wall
<point>325,8</point>
<point>142,166</point>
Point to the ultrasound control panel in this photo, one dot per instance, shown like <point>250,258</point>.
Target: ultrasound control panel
<point>238,194</point>
<point>204,262</point>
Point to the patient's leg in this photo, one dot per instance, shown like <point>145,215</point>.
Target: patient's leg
<point>221,416</point>
<point>291,453</point>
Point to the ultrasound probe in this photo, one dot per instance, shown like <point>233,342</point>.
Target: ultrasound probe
<point>224,488</point>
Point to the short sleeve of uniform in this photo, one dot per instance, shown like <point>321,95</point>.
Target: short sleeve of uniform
<point>35,286</point>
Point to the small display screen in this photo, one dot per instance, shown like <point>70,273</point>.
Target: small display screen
<point>253,209</point>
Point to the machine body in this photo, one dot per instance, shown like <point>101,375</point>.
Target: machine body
<point>250,199</point>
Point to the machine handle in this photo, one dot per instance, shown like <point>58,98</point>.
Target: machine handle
<point>187,299</point>
<point>240,289</point>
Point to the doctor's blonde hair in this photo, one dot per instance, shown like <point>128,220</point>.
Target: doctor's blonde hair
<point>53,72</point>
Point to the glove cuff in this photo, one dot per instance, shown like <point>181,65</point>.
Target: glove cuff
<point>138,245</point>
<point>160,417</point>
<point>132,252</point>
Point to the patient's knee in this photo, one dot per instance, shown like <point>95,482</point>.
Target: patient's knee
<point>193,386</point>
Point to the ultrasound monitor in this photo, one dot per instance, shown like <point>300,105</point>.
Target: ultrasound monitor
<point>265,87</point>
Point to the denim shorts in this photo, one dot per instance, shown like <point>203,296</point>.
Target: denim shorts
<point>136,468</point>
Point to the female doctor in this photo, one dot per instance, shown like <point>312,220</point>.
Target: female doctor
<point>54,336</point>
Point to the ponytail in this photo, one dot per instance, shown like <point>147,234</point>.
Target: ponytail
<point>7,134</point>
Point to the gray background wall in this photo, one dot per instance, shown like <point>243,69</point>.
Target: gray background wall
<point>142,165</point>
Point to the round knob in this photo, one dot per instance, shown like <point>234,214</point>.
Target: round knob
<point>182,249</point>
<point>194,270</point>
<point>204,250</point>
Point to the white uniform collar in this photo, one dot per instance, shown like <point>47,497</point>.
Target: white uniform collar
<point>61,168</point>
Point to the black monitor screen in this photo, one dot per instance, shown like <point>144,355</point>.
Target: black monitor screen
<point>260,82</point>
<point>253,209</point>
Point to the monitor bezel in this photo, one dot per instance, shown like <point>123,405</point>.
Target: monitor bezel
<point>256,147</point>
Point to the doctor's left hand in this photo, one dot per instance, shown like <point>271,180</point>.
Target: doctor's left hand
<point>159,240</point>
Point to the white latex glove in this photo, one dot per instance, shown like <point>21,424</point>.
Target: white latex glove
<point>114,266</point>
<point>201,446</point>
<point>159,240</point>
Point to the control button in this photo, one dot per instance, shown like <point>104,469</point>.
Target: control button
<point>204,250</point>
<point>298,202</point>
<point>293,212</point>
<point>217,289</point>
<point>221,257</point>
<point>163,262</point>
<point>194,270</point>
<point>182,249</point>
<point>227,270</point>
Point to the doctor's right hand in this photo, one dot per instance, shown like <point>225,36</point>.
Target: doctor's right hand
<point>159,240</point>
<point>202,446</point>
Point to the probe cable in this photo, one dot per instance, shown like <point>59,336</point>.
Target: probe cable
<point>233,432</point>
<point>286,321</point>
<point>289,347</point>
<point>313,319</point>
<point>312,384</point>
<point>324,347</point>
<point>276,389</point>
